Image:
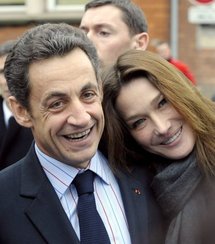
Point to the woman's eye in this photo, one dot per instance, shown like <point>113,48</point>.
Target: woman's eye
<point>162,102</point>
<point>138,123</point>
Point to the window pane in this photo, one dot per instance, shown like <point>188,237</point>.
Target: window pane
<point>12,2</point>
<point>71,2</point>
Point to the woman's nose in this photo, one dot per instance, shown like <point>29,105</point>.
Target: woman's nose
<point>162,125</point>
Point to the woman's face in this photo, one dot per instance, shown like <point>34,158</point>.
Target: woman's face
<point>153,122</point>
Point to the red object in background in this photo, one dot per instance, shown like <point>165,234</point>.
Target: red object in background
<point>204,1</point>
<point>201,1</point>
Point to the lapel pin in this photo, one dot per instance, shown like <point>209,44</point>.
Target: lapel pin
<point>137,191</point>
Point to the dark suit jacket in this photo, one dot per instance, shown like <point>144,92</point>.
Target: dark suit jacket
<point>30,211</point>
<point>15,140</point>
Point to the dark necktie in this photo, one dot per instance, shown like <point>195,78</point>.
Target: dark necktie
<point>92,229</point>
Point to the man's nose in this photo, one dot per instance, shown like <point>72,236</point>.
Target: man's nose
<point>78,115</point>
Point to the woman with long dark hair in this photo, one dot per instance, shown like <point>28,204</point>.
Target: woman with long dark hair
<point>153,110</point>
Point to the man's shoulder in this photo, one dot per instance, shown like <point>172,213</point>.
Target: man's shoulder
<point>10,173</point>
<point>10,185</point>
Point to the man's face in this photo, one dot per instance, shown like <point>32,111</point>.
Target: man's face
<point>164,51</point>
<point>66,115</point>
<point>3,84</point>
<point>105,27</point>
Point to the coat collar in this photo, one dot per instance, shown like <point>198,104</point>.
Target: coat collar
<point>47,215</point>
<point>44,208</point>
<point>134,195</point>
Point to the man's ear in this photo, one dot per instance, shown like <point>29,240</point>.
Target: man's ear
<point>20,113</point>
<point>141,41</point>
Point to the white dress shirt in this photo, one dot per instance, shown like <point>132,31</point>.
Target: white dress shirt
<point>7,113</point>
<point>106,190</point>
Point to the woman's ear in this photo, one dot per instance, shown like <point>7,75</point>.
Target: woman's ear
<point>20,113</point>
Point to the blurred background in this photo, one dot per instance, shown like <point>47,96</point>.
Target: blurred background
<point>188,26</point>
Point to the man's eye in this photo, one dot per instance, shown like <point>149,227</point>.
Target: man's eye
<point>89,95</point>
<point>56,105</point>
<point>84,30</point>
<point>104,33</point>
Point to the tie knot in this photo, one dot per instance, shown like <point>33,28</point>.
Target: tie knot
<point>84,182</point>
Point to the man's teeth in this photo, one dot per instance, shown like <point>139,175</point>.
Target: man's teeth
<point>172,138</point>
<point>78,135</point>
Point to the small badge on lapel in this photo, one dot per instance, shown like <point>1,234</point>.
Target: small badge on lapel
<point>137,191</point>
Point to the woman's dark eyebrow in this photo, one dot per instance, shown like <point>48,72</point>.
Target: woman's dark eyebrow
<point>153,102</point>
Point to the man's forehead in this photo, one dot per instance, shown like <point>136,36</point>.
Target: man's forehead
<point>97,14</point>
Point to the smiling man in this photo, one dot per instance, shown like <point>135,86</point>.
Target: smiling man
<point>69,122</point>
<point>52,75</point>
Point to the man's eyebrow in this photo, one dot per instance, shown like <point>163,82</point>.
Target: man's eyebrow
<point>89,85</point>
<point>52,95</point>
<point>1,70</point>
<point>103,25</point>
<point>97,26</point>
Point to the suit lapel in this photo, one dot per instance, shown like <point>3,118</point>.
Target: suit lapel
<point>2,123</point>
<point>44,209</point>
<point>135,203</point>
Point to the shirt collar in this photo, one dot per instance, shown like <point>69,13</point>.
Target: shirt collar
<point>7,113</point>
<point>61,175</point>
<point>99,165</point>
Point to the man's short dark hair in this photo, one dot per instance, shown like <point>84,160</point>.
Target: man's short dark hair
<point>132,15</point>
<point>40,43</point>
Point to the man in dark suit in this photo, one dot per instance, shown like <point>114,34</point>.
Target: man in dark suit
<point>15,140</point>
<point>53,76</point>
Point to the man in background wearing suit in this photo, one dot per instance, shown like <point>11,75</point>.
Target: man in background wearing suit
<point>52,74</point>
<point>15,140</point>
